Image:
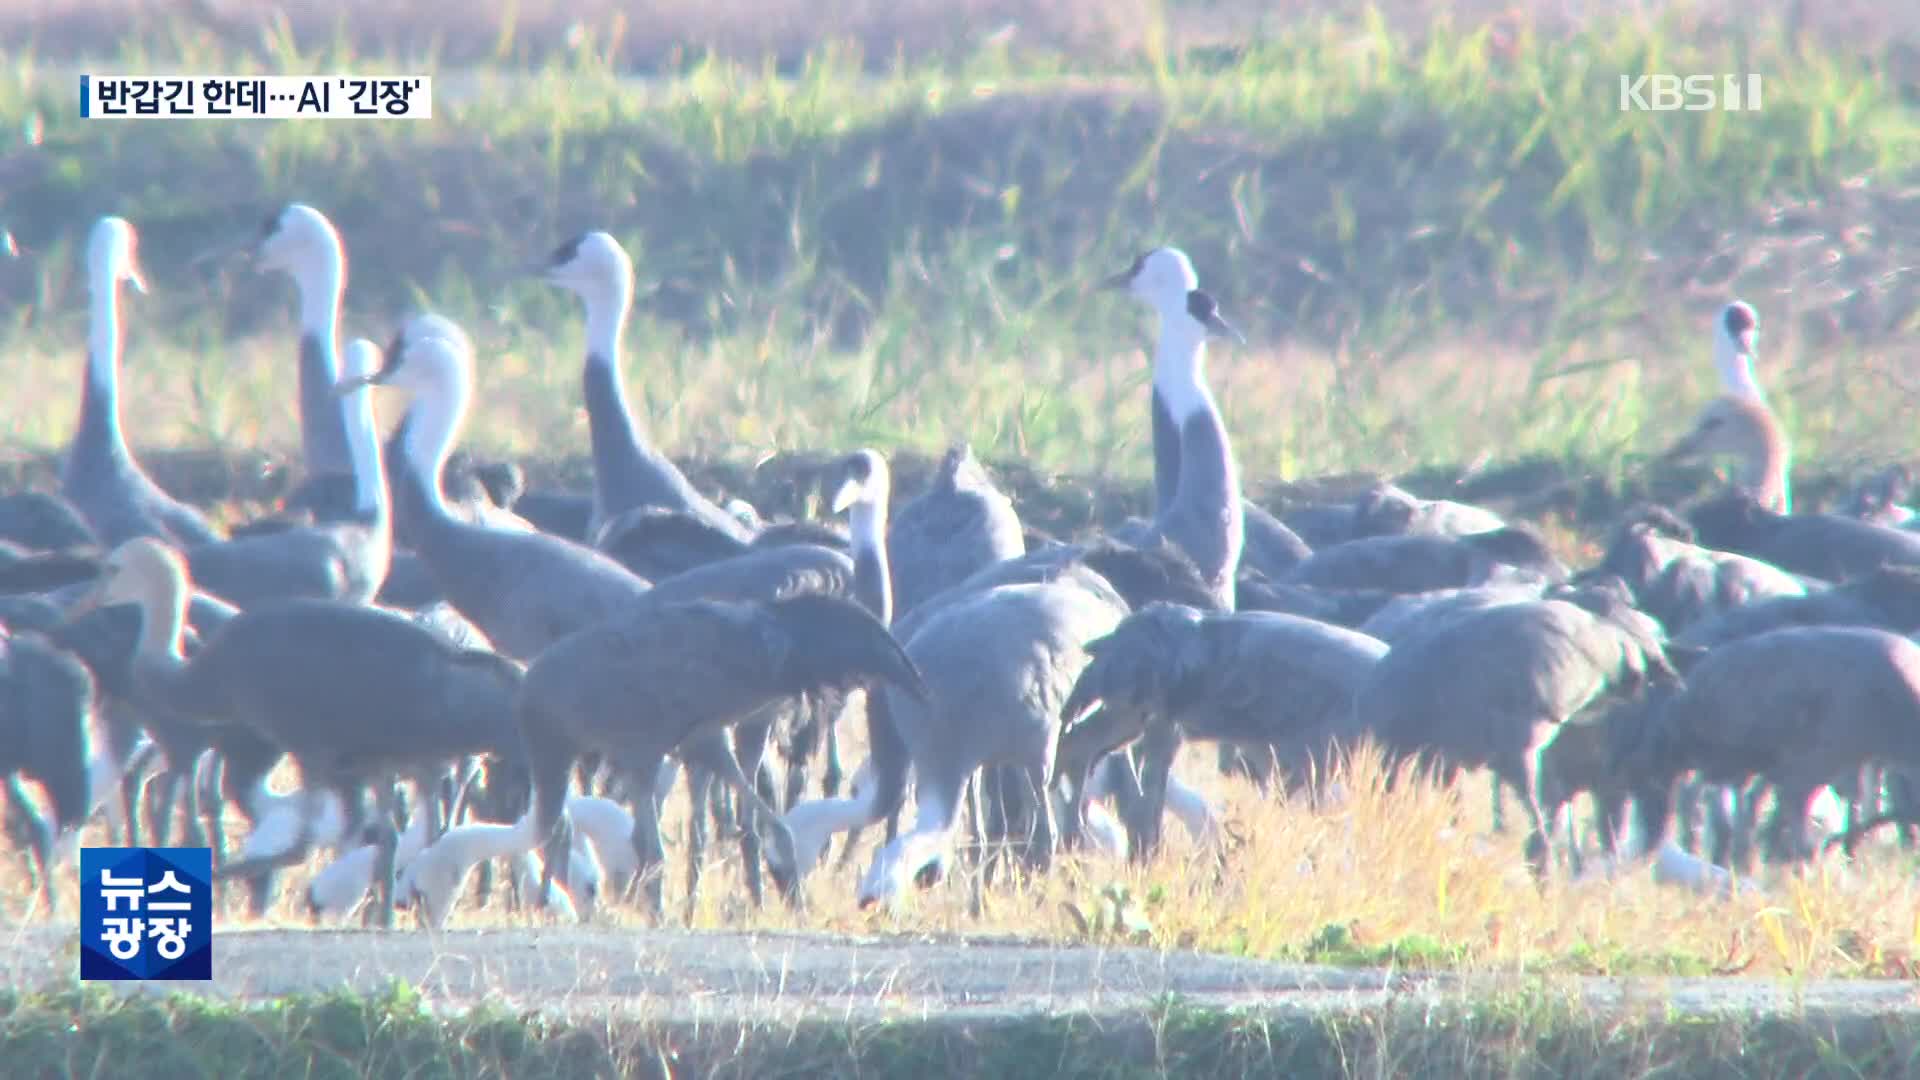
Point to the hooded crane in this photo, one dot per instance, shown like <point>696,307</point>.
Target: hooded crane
<point>1254,679</point>
<point>1198,502</point>
<point>762,573</point>
<point>1746,429</point>
<point>862,492</point>
<point>766,573</point>
<point>108,638</point>
<point>48,714</point>
<point>627,472</point>
<point>1798,706</point>
<point>100,476</point>
<point>300,242</point>
<point>634,688</point>
<point>43,521</point>
<point>1000,665</point>
<point>1409,614</point>
<point>1491,687</point>
<point>1416,562</point>
<point>1164,277</point>
<point>961,523</point>
<point>345,558</point>
<point>354,694</point>
<point>1201,510</point>
<point>1386,509</point>
<point>657,542</point>
<point>778,564</point>
<point>960,533</point>
<point>1140,575</point>
<point>26,571</point>
<point>1888,598</point>
<point>1681,583</point>
<point>1341,607</point>
<point>523,590</point>
<point>105,641</point>
<point>1739,423</point>
<point>1736,339</point>
<point>1755,518</point>
<point>463,484</point>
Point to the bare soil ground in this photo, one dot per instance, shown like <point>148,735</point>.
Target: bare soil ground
<point>686,976</point>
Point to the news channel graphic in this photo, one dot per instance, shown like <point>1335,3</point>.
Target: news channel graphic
<point>146,913</point>
<point>256,97</point>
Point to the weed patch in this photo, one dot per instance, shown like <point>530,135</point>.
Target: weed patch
<point>342,1035</point>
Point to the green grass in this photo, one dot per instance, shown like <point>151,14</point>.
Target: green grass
<point>1449,248</point>
<point>1537,1031</point>
<point>1335,945</point>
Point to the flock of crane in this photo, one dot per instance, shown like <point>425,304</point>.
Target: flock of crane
<point>463,670</point>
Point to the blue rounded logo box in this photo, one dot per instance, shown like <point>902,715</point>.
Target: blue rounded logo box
<point>146,914</point>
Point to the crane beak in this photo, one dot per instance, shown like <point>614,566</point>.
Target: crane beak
<point>1118,281</point>
<point>87,601</point>
<point>1223,328</point>
<point>1687,446</point>
<point>135,278</point>
<point>253,249</point>
<point>389,366</point>
<point>354,382</point>
<point>1080,704</point>
<point>847,494</point>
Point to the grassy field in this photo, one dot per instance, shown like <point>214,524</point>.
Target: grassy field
<point>399,1033</point>
<point>1451,251</point>
<point>1457,261</point>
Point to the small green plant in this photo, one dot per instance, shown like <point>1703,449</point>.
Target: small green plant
<point>1112,914</point>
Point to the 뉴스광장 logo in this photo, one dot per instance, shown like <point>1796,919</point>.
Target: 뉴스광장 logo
<point>146,913</point>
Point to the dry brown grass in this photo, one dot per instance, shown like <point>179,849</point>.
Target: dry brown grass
<point>1414,877</point>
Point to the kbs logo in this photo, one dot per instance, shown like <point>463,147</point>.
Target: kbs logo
<point>1691,93</point>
